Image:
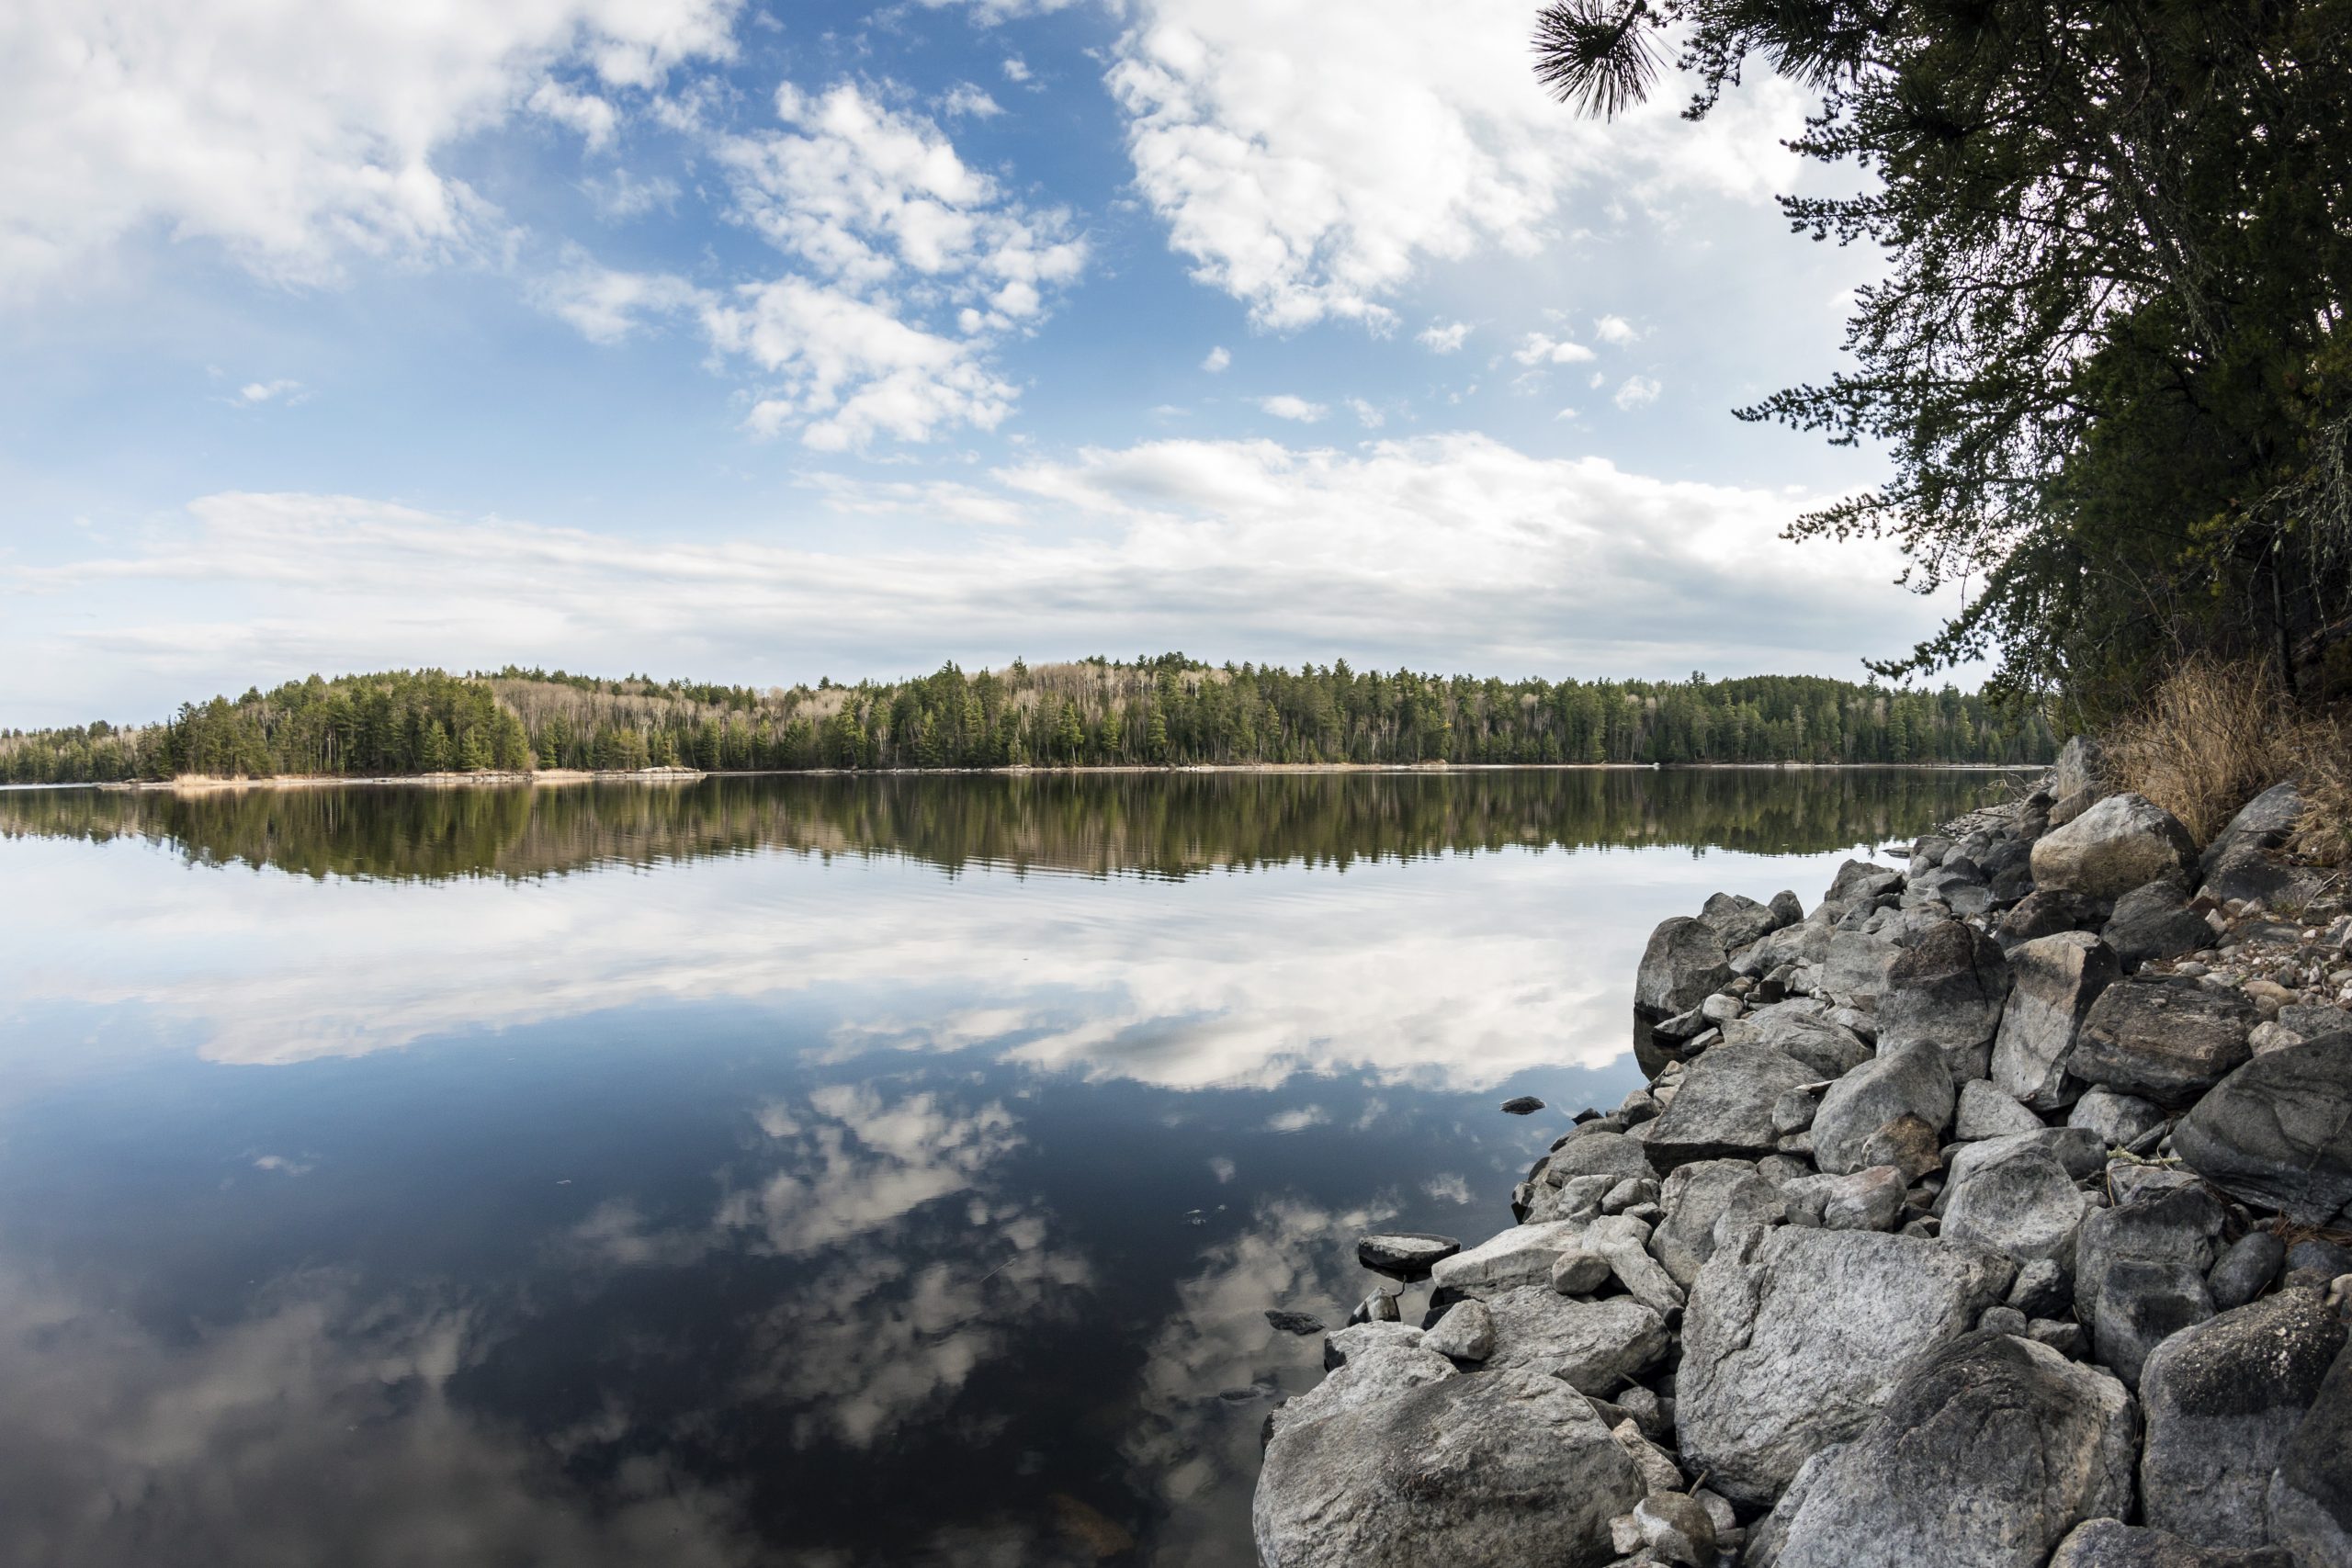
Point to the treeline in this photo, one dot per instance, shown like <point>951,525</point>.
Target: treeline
<point>1153,824</point>
<point>1163,711</point>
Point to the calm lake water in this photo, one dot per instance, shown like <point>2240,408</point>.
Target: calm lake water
<point>798,1171</point>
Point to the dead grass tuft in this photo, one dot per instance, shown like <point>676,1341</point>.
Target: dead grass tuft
<point>2216,734</point>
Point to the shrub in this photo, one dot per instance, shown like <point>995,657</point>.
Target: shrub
<point>2217,733</point>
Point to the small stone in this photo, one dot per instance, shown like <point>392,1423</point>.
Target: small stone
<point>2002,1320</point>
<point>1522,1105</point>
<point>1908,1144</point>
<point>1576,1273</point>
<point>2251,1263</point>
<point>1377,1307</point>
<point>1659,1473</point>
<point>1986,1112</point>
<point>1296,1322</point>
<point>1676,1526</point>
<point>2064,1336</point>
<point>2043,1289</point>
<point>1466,1332</point>
<point>2118,1119</point>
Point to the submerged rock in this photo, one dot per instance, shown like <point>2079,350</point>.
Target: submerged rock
<point>1501,1470</point>
<point>1987,1452</point>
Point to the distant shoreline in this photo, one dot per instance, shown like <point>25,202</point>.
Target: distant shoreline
<point>558,777</point>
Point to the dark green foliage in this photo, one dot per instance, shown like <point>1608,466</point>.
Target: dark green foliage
<point>1166,710</point>
<point>2107,359</point>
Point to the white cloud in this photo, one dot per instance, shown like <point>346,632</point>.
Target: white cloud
<point>1368,416</point>
<point>606,305</point>
<point>964,99</point>
<point>291,135</point>
<point>254,393</point>
<point>1217,359</point>
<point>1311,169</point>
<point>592,116</point>
<point>621,195</point>
<point>1015,69</point>
<point>898,237</point>
<point>1615,331</point>
<point>1298,1119</point>
<point>1443,337</point>
<point>1543,349</point>
<point>1637,391</point>
<point>1388,551</point>
<point>988,13</point>
<point>1282,405</point>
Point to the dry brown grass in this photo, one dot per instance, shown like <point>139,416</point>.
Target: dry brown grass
<point>2214,735</point>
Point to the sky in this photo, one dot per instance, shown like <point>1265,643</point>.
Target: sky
<point>760,342</point>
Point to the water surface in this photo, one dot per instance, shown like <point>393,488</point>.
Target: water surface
<point>813,1172</point>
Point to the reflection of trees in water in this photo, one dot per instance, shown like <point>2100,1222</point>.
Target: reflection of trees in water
<point>1162,823</point>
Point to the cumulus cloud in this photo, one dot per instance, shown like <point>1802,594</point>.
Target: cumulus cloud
<point>1615,331</point>
<point>964,100</point>
<point>1443,337</point>
<point>606,305</point>
<point>913,266</point>
<point>1311,169</point>
<point>1284,405</point>
<point>1541,348</point>
<point>296,136</point>
<point>1367,416</point>
<point>255,393</point>
<point>1637,391</point>
<point>1217,360</point>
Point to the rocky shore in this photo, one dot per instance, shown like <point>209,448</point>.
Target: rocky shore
<point>1993,1213</point>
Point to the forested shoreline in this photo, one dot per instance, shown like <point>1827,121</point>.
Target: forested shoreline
<point>1162,711</point>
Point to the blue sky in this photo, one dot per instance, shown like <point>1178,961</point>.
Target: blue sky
<point>760,342</point>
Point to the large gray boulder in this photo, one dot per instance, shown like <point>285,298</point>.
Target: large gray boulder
<point>2076,1148</point>
<point>2023,1203</point>
<point>2124,841</point>
<point>2053,982</point>
<point>2154,922</point>
<point>1856,883</point>
<point>1986,1453</point>
<point>1793,1339</point>
<point>2278,1132</point>
<point>2046,911</point>
<point>1909,1081</point>
<point>1495,1469</point>
<point>1808,941</point>
<point>2222,1399</point>
<point>1946,989</point>
<point>1594,1347</point>
<point>2311,1497</point>
<point>1598,1153</point>
<point>1739,922</point>
<point>2163,1038</point>
<point>2118,1119</point>
<point>2112,1543</point>
<point>2139,1271</point>
<point>1723,1108</point>
<point>1682,966</point>
<point>1863,950</point>
<point>2263,823</point>
<point>1698,1198</point>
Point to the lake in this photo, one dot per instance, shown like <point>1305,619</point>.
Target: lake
<point>823,1171</point>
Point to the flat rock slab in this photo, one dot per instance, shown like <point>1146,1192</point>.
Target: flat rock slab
<point>2278,1132</point>
<point>2167,1039</point>
<point>1594,1347</point>
<point>1496,1470</point>
<point>1723,1107</point>
<point>1522,1256</point>
<point>1794,1338</point>
<point>1404,1255</point>
<point>1987,1452</point>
